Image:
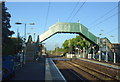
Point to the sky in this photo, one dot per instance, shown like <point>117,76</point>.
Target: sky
<point>90,15</point>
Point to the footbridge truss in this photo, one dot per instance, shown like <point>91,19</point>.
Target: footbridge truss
<point>76,28</point>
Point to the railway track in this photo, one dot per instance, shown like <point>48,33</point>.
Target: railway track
<point>69,73</point>
<point>95,70</point>
<point>95,73</point>
<point>88,73</point>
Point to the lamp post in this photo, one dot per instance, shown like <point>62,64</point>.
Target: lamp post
<point>19,23</point>
<point>112,37</point>
<point>34,36</point>
<point>100,47</point>
<point>18,39</point>
<point>114,54</point>
<point>28,33</point>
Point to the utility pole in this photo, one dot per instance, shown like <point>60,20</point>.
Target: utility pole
<point>119,21</point>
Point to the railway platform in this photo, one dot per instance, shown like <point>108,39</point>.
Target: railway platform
<point>31,71</point>
<point>45,70</point>
<point>52,72</point>
<point>107,64</point>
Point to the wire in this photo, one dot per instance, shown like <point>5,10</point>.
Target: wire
<point>47,14</point>
<point>105,19</point>
<point>110,31</point>
<point>73,10</point>
<point>104,15</point>
<point>78,9</point>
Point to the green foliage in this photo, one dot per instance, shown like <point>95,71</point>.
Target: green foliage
<point>69,46</point>
<point>14,45</point>
<point>57,51</point>
<point>66,46</point>
<point>77,42</point>
<point>5,24</point>
<point>6,33</point>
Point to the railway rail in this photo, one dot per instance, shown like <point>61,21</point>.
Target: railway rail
<point>95,73</point>
<point>86,72</point>
<point>69,73</point>
<point>110,71</point>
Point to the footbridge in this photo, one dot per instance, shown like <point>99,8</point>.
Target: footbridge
<point>103,45</point>
<point>75,28</point>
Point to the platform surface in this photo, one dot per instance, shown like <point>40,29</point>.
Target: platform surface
<point>31,71</point>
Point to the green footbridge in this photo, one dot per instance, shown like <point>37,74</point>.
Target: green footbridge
<point>75,28</point>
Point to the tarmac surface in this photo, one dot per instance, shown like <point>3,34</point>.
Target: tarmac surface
<point>31,71</point>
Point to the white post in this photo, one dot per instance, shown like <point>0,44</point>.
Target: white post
<point>106,57</point>
<point>114,57</point>
<point>99,55</point>
<point>93,54</point>
<point>88,56</point>
<point>106,53</point>
<point>100,50</point>
<point>83,52</point>
<point>78,51</point>
<point>71,55</point>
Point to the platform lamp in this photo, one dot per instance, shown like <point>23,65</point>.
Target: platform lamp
<point>112,37</point>
<point>18,23</point>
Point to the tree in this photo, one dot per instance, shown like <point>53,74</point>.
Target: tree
<point>6,33</point>
<point>66,46</point>
<point>82,42</point>
<point>78,41</point>
<point>13,47</point>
